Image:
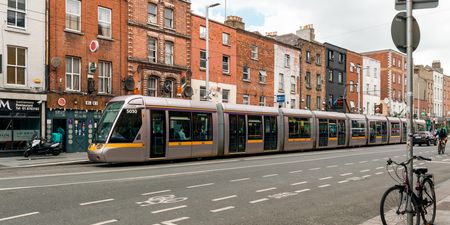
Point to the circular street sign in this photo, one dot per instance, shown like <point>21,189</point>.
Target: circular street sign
<point>94,45</point>
<point>61,102</point>
<point>399,32</point>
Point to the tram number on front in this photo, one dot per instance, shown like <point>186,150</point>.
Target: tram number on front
<point>132,111</point>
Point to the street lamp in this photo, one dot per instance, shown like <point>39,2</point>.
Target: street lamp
<point>207,48</point>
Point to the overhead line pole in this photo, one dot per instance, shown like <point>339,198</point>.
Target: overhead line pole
<point>410,108</point>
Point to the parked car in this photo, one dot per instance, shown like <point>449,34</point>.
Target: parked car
<point>424,137</point>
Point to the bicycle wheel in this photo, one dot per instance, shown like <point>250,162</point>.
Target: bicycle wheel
<point>428,198</point>
<point>393,207</point>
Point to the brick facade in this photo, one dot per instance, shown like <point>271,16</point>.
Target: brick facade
<point>446,95</point>
<point>174,67</point>
<point>354,69</point>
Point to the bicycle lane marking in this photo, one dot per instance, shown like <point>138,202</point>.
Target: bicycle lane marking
<point>161,199</point>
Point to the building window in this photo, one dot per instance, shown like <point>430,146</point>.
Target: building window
<point>202,32</point>
<point>202,59</point>
<point>352,67</point>
<point>308,56</point>
<point>351,86</point>
<point>393,78</point>
<point>318,62</point>
<point>308,101</point>
<point>168,84</point>
<point>226,64</point>
<point>399,79</point>
<point>225,95</point>
<point>152,49</point>
<point>340,78</point>
<point>16,13</point>
<point>73,73</point>
<point>293,84</point>
<point>73,15</point>
<point>281,82</point>
<point>202,93</point>
<point>393,61</point>
<point>287,60</point>
<point>330,75</point>
<point>319,81</point>
<point>375,73</point>
<point>262,76</point>
<point>16,68</point>
<point>152,86</point>
<point>104,22</point>
<point>318,103</point>
<point>330,55</point>
<point>168,18</point>
<point>330,99</point>
<point>254,54</point>
<point>375,91</point>
<point>226,39</point>
<point>169,53</point>
<point>104,77</point>
<point>262,101</point>
<point>308,80</point>
<point>293,105</point>
<point>246,99</point>
<point>246,73</point>
<point>152,13</point>
<point>367,88</point>
<point>341,58</point>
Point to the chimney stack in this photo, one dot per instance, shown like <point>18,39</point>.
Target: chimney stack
<point>437,66</point>
<point>235,21</point>
<point>307,32</point>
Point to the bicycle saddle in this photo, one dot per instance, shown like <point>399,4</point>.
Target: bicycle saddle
<point>420,170</point>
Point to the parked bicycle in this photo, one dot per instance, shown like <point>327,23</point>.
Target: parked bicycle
<point>393,206</point>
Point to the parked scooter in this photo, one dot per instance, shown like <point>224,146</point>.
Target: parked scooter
<point>40,146</point>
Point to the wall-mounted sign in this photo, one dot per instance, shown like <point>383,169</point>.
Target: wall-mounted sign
<point>92,68</point>
<point>94,46</point>
<point>91,103</point>
<point>61,102</point>
<point>18,105</point>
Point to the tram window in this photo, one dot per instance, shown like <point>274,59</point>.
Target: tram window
<point>299,128</point>
<point>180,126</point>
<point>379,129</point>
<point>254,127</point>
<point>202,126</point>
<point>106,122</point>
<point>395,129</point>
<point>420,127</point>
<point>384,128</point>
<point>358,128</point>
<point>333,128</point>
<point>127,126</point>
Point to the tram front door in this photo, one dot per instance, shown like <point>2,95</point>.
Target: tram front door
<point>158,134</point>
<point>270,133</point>
<point>341,132</point>
<point>237,134</point>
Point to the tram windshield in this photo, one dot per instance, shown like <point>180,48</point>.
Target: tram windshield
<point>105,124</point>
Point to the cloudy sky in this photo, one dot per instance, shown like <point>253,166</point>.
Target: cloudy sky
<point>358,25</point>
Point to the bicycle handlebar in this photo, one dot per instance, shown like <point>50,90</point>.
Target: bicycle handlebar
<point>390,161</point>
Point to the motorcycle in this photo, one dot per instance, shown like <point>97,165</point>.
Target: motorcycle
<point>40,146</point>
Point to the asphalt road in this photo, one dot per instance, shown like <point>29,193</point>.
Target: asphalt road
<point>326,187</point>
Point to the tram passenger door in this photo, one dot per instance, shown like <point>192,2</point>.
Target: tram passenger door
<point>373,132</point>
<point>237,134</point>
<point>384,132</point>
<point>323,132</point>
<point>158,134</point>
<point>270,133</point>
<point>341,132</point>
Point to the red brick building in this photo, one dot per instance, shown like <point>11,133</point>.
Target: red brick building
<point>222,60</point>
<point>159,47</point>
<point>87,53</point>
<point>354,69</point>
<point>255,66</point>
<point>446,96</point>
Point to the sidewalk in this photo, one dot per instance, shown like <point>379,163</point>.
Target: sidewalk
<point>443,206</point>
<point>44,160</point>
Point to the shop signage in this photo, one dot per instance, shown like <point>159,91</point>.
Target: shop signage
<point>91,103</point>
<point>61,102</point>
<point>94,45</point>
<point>18,105</point>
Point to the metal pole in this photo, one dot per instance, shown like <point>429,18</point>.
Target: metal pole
<point>358,86</point>
<point>409,15</point>
<point>418,97</point>
<point>207,54</point>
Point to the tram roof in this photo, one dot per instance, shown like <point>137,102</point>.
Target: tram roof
<point>393,119</point>
<point>356,116</point>
<point>297,112</point>
<point>377,118</point>
<point>331,115</point>
<point>248,109</point>
<point>169,103</point>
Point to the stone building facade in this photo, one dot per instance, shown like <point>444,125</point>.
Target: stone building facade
<point>423,91</point>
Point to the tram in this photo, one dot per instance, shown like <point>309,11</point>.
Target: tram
<point>139,128</point>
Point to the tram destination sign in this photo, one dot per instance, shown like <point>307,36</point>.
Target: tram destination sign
<point>400,5</point>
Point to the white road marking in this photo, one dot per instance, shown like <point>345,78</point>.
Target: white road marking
<point>221,209</point>
<point>270,175</point>
<point>106,222</point>
<point>421,164</point>
<point>267,189</point>
<point>375,160</point>
<point>364,162</point>
<point>242,179</point>
<point>317,168</point>
<point>156,192</point>
<point>445,160</point>
<point>379,173</point>
<point>325,178</point>
<point>259,200</point>
<point>332,166</point>
<point>343,181</point>
<point>303,190</point>
<point>346,174</point>
<point>200,185</point>
<point>18,216</point>
<point>349,164</point>
<point>440,162</point>
<point>303,182</point>
<point>364,171</point>
<point>99,201</point>
<point>169,209</point>
<point>172,222</point>
<point>379,168</point>
<point>366,176</point>
<point>223,198</point>
<point>297,171</point>
<point>396,156</point>
<point>325,185</point>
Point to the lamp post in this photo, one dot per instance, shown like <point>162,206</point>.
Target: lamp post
<point>207,49</point>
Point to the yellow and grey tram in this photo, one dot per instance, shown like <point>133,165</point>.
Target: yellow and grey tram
<point>139,128</point>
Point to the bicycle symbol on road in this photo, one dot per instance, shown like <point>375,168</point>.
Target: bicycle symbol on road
<point>162,199</point>
<point>282,195</point>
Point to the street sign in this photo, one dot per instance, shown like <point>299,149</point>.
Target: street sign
<point>280,98</point>
<point>398,32</point>
<point>400,5</point>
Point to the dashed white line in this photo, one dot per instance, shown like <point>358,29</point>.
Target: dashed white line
<point>172,222</point>
<point>200,185</point>
<point>396,156</point>
<point>366,176</point>
<point>343,181</point>
<point>420,164</point>
<point>95,202</point>
<point>303,182</point>
<point>258,200</point>
<point>270,175</point>
<point>169,209</point>
<point>349,164</point>
<point>224,198</point>
<point>317,168</point>
<point>325,178</point>
<point>379,168</point>
<point>445,160</point>
<point>242,179</point>
<point>346,174</point>
<point>364,162</point>
<point>303,190</point>
<point>222,209</point>
<point>379,173</point>
<point>364,171</point>
<point>267,189</point>
<point>296,171</point>
<point>105,222</point>
<point>332,166</point>
<point>156,192</point>
<point>325,185</point>
<point>18,216</point>
<point>375,160</point>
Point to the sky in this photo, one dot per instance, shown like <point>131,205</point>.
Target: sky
<point>357,25</point>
